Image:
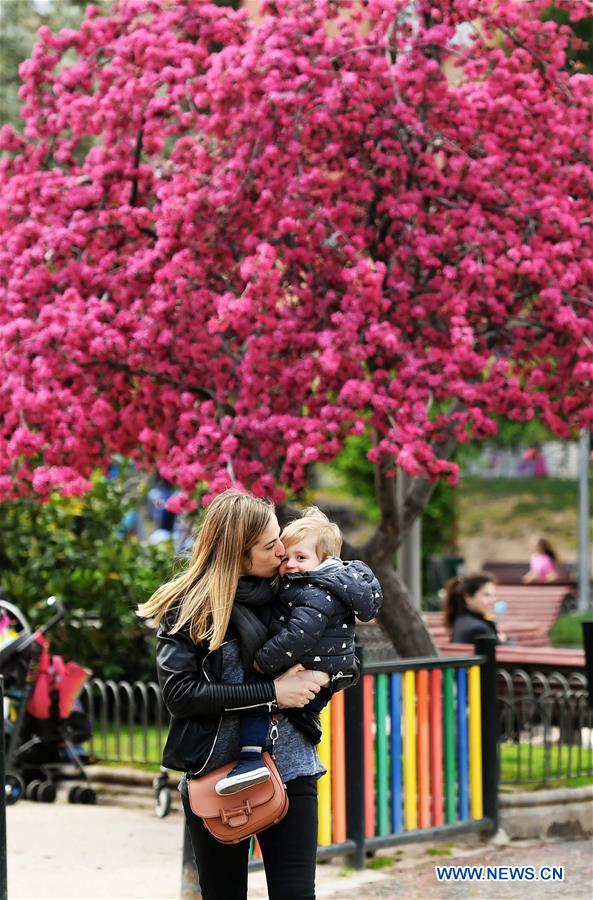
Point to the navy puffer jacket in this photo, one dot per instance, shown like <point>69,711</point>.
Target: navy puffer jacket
<point>313,617</point>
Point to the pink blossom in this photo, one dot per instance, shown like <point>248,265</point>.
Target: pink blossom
<point>222,262</point>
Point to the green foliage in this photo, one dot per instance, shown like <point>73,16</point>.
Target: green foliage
<point>357,475</point>
<point>71,548</point>
<point>567,630</point>
<point>381,862</point>
<point>19,23</point>
<point>442,850</point>
<point>538,766</point>
<point>128,745</point>
<point>582,59</point>
<point>439,521</point>
<point>510,435</point>
<point>513,435</point>
<point>520,509</point>
<point>534,494</point>
<point>346,872</point>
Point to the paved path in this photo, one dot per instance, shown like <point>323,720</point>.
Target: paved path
<point>62,852</point>
<point>418,880</point>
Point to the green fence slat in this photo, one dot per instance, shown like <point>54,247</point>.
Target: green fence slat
<point>382,754</point>
<point>449,744</point>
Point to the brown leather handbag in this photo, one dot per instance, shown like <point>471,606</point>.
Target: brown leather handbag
<point>235,817</point>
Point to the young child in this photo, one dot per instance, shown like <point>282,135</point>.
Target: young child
<point>543,565</point>
<point>312,624</point>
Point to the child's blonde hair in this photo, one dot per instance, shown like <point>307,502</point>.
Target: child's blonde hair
<point>313,522</point>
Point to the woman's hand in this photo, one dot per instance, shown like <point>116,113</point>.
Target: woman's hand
<point>322,678</point>
<point>295,687</point>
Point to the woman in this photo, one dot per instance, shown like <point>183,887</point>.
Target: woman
<point>468,608</point>
<point>210,621</point>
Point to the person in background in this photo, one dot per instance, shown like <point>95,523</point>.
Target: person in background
<point>543,565</point>
<point>469,602</point>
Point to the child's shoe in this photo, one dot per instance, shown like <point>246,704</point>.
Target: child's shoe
<point>249,770</point>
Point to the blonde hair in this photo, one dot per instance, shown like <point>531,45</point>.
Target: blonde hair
<point>313,522</point>
<point>204,593</point>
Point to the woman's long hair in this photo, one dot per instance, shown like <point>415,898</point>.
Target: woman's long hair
<point>457,589</point>
<point>545,547</point>
<point>204,593</point>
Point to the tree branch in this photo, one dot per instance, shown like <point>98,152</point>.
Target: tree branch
<point>386,487</point>
<point>137,157</point>
<point>143,372</point>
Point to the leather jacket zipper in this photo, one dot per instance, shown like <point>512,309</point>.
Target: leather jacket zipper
<point>231,709</point>
<point>205,674</point>
<point>269,704</point>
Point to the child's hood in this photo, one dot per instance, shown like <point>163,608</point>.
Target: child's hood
<point>353,583</point>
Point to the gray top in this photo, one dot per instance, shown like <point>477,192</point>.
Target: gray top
<point>295,754</point>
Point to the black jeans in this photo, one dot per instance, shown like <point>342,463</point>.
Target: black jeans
<point>288,849</point>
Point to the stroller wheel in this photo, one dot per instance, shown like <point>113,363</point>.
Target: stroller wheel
<point>87,795</point>
<point>47,792</point>
<point>162,802</point>
<point>32,789</point>
<point>14,787</point>
<point>74,794</point>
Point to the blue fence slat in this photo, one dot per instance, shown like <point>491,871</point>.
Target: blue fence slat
<point>395,709</point>
<point>462,746</point>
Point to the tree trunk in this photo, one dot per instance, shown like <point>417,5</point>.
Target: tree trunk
<point>398,617</point>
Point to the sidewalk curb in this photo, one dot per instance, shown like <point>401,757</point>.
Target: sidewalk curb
<point>546,797</point>
<point>560,813</point>
<point>124,775</point>
<point>133,788</point>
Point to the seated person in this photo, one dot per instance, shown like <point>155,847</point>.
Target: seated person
<point>468,609</point>
<point>543,565</point>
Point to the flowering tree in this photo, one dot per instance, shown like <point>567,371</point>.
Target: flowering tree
<point>226,245</point>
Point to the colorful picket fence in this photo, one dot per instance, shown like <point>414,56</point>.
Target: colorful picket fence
<point>422,751</point>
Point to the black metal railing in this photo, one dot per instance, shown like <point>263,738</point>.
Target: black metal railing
<point>128,721</point>
<point>546,727</point>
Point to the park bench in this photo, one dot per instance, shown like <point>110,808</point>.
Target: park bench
<point>531,611</point>
<point>377,648</point>
<point>558,659</point>
<point>513,572</point>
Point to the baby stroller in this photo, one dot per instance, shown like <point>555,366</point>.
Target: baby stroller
<point>44,723</point>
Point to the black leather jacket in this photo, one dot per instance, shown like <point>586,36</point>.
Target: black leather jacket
<point>469,626</point>
<point>189,677</point>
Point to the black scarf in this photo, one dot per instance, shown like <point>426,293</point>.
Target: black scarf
<point>251,614</point>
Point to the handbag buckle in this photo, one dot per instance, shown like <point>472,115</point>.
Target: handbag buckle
<point>237,816</point>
